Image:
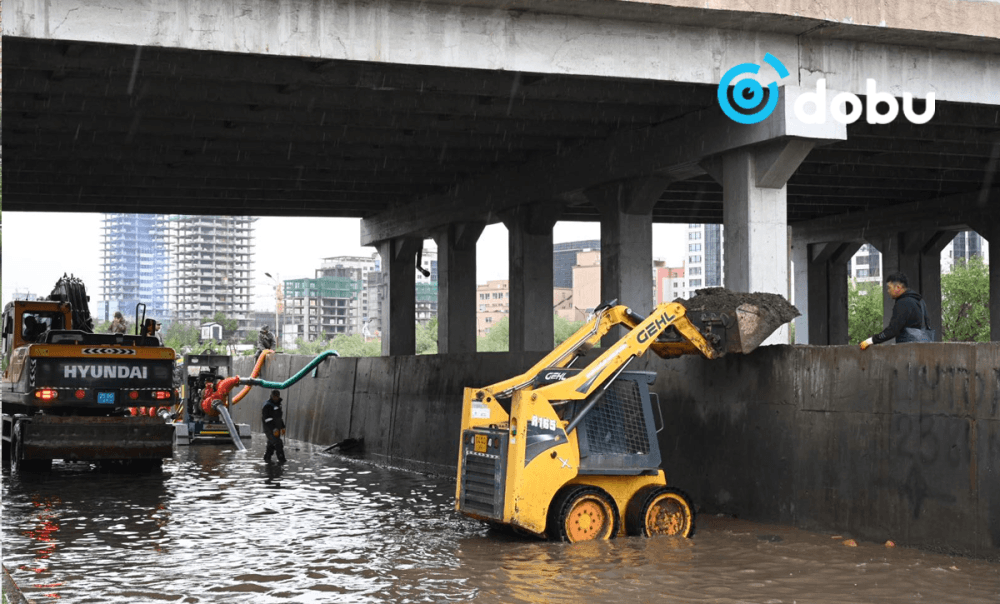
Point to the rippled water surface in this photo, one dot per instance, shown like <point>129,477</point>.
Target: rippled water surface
<point>220,526</point>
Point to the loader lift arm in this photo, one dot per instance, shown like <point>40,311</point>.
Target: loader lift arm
<point>653,332</point>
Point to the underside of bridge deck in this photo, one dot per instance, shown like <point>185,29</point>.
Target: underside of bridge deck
<point>108,128</point>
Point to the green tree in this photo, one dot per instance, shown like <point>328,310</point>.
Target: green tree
<point>427,336</point>
<point>182,336</point>
<point>346,346</point>
<point>864,310</point>
<point>498,338</point>
<point>564,328</point>
<point>251,337</point>
<point>965,302</point>
<point>229,326</point>
<point>355,346</point>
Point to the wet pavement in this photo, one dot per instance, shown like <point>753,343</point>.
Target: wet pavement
<point>221,526</point>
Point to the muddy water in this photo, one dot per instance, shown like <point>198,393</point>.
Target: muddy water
<point>219,526</point>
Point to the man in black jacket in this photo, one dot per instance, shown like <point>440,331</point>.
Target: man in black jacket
<point>274,427</point>
<point>907,312</point>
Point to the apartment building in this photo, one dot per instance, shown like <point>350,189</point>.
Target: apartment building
<point>703,264</point>
<point>492,304</point>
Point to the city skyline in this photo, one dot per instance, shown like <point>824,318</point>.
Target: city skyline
<point>312,238</point>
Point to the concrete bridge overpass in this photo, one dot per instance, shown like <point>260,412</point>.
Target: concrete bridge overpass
<point>432,120</point>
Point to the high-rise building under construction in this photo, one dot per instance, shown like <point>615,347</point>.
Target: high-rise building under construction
<point>212,268</point>
<point>134,266</point>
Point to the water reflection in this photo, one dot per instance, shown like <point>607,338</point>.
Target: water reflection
<point>221,526</point>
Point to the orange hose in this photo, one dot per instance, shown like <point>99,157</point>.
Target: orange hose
<point>253,374</point>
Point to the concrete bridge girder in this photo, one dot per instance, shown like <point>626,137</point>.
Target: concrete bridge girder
<point>753,163</point>
<point>683,43</point>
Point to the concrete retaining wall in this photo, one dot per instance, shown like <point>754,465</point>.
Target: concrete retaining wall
<point>897,442</point>
<point>406,408</point>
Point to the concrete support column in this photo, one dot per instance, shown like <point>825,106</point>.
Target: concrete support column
<point>626,210</point>
<point>991,232</point>
<point>457,287</point>
<point>821,292</point>
<point>755,217</point>
<point>398,292</point>
<point>530,256</point>
<point>917,254</point>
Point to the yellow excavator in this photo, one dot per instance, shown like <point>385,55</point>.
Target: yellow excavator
<point>568,453</point>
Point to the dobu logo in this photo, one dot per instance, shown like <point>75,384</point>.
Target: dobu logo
<point>845,107</point>
<point>754,88</point>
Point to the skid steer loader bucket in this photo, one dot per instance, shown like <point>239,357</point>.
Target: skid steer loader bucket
<point>737,322</point>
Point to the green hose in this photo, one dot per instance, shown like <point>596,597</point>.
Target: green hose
<point>295,378</point>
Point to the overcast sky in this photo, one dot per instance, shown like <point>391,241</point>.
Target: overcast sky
<point>39,248</point>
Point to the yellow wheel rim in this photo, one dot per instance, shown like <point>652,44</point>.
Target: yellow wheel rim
<point>589,519</point>
<point>668,514</point>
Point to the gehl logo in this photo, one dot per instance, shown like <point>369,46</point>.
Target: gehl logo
<point>655,327</point>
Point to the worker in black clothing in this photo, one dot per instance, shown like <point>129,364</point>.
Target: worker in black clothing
<point>908,312</point>
<point>32,328</point>
<point>274,427</point>
<point>265,341</point>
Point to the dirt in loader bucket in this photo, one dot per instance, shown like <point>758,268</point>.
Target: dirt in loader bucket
<point>749,318</point>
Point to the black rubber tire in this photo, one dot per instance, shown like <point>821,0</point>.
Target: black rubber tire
<point>569,498</point>
<point>20,465</point>
<point>638,509</point>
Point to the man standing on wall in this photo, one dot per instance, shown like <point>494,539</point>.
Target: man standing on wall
<point>274,427</point>
<point>909,322</point>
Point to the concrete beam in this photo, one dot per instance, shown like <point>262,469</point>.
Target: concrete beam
<point>524,38</point>
<point>612,39</point>
<point>951,213</point>
<point>457,287</point>
<point>777,161</point>
<point>671,150</point>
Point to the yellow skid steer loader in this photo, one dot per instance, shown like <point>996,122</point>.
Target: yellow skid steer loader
<point>569,453</point>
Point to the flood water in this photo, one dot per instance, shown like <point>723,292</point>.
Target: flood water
<point>221,526</point>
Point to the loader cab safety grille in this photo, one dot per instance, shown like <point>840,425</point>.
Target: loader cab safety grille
<point>483,473</point>
<point>616,426</point>
<point>618,435</point>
